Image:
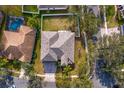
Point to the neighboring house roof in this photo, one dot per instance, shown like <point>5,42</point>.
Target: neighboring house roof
<point>53,7</point>
<point>57,46</point>
<point>19,45</point>
<point>95,9</point>
<point>110,32</point>
<point>122,29</point>
<point>1,17</point>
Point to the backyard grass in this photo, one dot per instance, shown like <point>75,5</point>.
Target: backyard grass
<point>13,10</point>
<point>59,23</point>
<point>30,8</point>
<point>38,66</point>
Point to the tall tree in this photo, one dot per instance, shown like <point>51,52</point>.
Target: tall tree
<point>113,54</point>
<point>89,23</point>
<point>35,82</point>
<point>34,22</point>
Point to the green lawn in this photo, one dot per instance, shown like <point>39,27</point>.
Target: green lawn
<point>30,8</point>
<point>59,23</point>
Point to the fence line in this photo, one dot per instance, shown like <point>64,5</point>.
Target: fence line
<point>63,14</point>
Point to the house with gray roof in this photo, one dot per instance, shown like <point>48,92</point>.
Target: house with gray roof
<point>52,7</point>
<point>57,46</point>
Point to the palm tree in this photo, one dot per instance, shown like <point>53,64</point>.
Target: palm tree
<point>35,82</point>
<point>67,69</point>
<point>113,54</point>
<point>34,22</point>
<point>29,70</point>
<point>16,64</point>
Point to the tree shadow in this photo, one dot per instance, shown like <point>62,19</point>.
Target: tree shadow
<point>106,79</point>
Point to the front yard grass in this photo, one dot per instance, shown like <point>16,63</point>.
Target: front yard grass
<point>59,23</point>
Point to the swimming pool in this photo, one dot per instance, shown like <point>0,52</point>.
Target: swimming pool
<point>14,23</point>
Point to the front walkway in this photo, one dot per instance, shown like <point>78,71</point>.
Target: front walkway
<point>49,80</point>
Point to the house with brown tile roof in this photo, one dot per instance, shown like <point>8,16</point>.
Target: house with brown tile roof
<point>18,45</point>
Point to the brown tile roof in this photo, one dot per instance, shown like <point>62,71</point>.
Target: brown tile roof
<point>19,45</point>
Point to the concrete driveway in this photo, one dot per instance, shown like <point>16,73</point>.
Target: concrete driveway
<point>49,80</point>
<point>20,83</point>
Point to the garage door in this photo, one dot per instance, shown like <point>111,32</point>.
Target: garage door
<point>49,67</point>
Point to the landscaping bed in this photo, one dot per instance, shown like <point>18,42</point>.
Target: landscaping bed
<point>30,8</point>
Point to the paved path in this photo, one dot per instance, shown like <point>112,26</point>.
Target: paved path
<point>105,19</point>
<point>87,53</point>
<point>49,80</point>
<point>20,83</point>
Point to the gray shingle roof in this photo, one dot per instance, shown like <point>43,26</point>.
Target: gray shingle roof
<point>53,7</point>
<point>57,46</point>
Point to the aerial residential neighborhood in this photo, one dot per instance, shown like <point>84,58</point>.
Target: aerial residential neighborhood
<point>61,46</point>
